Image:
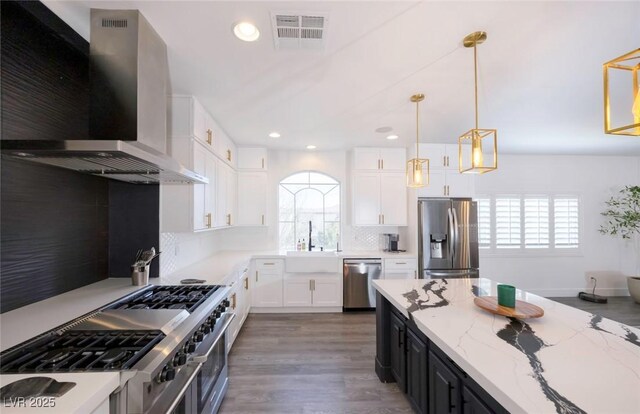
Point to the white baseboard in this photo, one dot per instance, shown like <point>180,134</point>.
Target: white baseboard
<point>328,309</point>
<point>570,292</point>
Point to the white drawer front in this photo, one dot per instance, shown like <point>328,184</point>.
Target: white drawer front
<point>270,266</point>
<point>401,264</point>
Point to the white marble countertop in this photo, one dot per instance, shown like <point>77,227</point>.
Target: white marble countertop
<point>88,393</point>
<point>568,361</point>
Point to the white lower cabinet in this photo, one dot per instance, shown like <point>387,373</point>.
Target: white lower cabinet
<point>312,290</point>
<point>267,288</point>
<point>401,268</point>
<point>240,304</point>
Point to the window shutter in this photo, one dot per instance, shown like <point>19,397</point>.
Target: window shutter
<point>566,222</point>
<point>536,223</point>
<point>484,223</point>
<point>508,232</point>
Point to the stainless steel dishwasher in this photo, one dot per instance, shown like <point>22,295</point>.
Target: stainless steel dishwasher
<point>358,292</point>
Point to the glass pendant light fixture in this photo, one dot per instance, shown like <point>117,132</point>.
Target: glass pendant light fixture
<point>417,168</point>
<point>621,79</point>
<point>484,142</point>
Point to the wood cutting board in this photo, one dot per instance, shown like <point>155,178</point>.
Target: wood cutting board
<point>523,310</point>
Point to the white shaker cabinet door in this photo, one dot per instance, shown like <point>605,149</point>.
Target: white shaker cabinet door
<point>200,190</point>
<point>252,198</point>
<point>366,199</point>
<point>327,291</point>
<point>460,185</point>
<point>436,187</point>
<point>393,159</point>
<point>393,199</point>
<point>297,291</point>
<point>267,290</point>
<point>366,159</point>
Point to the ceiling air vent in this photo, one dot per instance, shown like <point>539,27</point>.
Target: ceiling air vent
<point>299,30</point>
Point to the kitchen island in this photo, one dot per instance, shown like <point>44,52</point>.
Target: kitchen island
<point>463,359</point>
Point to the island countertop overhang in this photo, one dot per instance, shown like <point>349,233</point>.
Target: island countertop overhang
<point>567,360</point>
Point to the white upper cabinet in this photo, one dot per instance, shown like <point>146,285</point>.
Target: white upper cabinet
<point>252,198</point>
<point>187,208</point>
<point>252,159</point>
<point>442,156</point>
<point>379,159</point>
<point>188,118</point>
<point>379,199</point>
<point>448,183</point>
<point>226,195</point>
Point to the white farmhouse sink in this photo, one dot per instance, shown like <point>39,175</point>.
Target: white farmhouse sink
<point>312,262</point>
<point>304,253</point>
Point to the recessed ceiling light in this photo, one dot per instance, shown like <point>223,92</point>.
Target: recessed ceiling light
<point>311,147</point>
<point>384,129</point>
<point>392,137</point>
<point>246,31</point>
<point>274,134</point>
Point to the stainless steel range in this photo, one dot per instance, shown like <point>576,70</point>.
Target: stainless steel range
<point>168,343</point>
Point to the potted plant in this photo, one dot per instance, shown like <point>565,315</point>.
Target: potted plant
<point>623,219</point>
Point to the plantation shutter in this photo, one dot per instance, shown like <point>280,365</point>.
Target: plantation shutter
<point>566,222</point>
<point>536,223</point>
<point>508,231</point>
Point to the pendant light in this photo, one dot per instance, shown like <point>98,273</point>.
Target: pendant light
<point>417,168</point>
<point>622,68</point>
<point>479,160</point>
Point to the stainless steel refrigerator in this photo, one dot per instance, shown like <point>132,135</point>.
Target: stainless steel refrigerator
<point>447,237</point>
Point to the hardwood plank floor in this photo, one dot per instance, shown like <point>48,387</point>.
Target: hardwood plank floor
<point>619,308</point>
<point>308,363</point>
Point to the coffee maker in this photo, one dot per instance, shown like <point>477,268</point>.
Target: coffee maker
<point>391,242</point>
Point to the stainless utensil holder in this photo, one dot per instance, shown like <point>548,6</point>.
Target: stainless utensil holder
<point>140,275</point>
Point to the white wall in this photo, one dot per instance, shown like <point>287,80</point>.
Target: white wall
<point>594,179</point>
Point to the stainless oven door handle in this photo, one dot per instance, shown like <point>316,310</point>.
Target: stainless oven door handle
<point>184,389</point>
<point>201,359</point>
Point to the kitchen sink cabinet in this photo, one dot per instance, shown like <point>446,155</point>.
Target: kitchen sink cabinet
<point>379,199</point>
<point>312,290</point>
<point>252,198</point>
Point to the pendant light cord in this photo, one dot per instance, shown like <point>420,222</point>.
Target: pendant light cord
<point>475,77</point>
<point>417,126</point>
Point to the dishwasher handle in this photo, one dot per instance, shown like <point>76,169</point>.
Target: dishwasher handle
<point>363,261</point>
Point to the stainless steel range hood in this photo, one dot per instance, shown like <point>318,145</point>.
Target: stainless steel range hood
<point>128,113</point>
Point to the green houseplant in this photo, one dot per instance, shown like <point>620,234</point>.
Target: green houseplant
<point>623,220</point>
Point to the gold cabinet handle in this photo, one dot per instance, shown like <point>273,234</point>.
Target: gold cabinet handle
<point>228,219</point>
<point>263,219</point>
<point>229,155</point>
<point>209,136</point>
<point>256,276</point>
<point>233,301</point>
<point>246,283</point>
<point>444,160</point>
<point>262,163</point>
<point>311,284</point>
<point>399,263</point>
<point>378,164</point>
<point>415,273</point>
<point>383,219</point>
<point>208,220</point>
<point>268,264</point>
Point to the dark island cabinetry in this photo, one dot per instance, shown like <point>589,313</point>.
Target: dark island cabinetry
<point>433,383</point>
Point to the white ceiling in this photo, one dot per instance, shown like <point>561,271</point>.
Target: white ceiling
<point>540,70</point>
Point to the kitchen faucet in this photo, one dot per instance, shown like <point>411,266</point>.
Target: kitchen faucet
<point>311,246</point>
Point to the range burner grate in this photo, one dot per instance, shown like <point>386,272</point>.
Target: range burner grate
<point>168,297</point>
<point>74,351</point>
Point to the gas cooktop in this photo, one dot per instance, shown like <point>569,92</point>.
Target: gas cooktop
<point>74,351</point>
<point>168,297</point>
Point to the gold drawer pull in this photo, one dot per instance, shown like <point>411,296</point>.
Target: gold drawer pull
<point>209,136</point>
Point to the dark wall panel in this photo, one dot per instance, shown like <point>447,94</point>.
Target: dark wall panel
<point>45,78</point>
<point>134,220</point>
<point>54,232</point>
<point>59,229</point>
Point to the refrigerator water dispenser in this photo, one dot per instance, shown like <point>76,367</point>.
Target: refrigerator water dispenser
<point>437,242</point>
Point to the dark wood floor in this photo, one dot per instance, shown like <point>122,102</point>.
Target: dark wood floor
<point>620,309</point>
<point>308,363</point>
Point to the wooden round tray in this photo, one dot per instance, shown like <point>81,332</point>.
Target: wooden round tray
<point>523,310</point>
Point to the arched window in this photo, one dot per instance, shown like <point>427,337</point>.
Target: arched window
<point>305,197</point>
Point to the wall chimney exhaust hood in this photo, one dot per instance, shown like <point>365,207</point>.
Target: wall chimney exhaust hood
<point>128,112</point>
